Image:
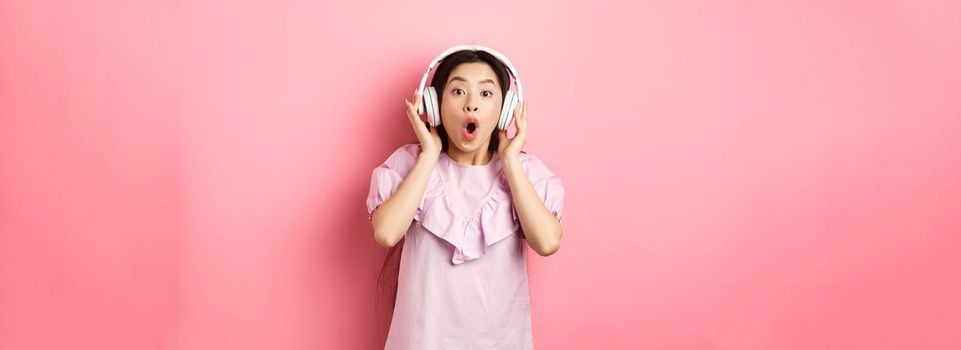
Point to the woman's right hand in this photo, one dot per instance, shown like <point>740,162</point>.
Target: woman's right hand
<point>429,140</point>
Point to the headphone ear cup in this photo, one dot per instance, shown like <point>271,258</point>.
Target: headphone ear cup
<point>507,111</point>
<point>430,104</point>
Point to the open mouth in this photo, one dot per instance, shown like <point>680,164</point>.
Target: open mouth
<point>470,130</point>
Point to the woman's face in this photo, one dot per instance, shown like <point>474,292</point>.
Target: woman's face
<point>470,106</point>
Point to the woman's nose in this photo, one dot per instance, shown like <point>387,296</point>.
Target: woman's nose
<point>471,104</point>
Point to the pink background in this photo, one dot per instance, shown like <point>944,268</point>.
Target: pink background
<point>740,174</point>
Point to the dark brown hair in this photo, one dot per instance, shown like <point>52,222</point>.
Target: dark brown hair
<point>387,280</point>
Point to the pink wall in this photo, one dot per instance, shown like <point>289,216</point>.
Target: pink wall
<point>740,174</point>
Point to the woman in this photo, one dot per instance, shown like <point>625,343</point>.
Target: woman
<point>462,203</point>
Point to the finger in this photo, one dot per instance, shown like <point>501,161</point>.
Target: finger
<point>519,121</point>
<point>412,110</point>
<point>519,115</point>
<point>415,120</point>
<point>413,104</point>
<point>417,100</point>
<point>520,137</point>
<point>524,113</point>
<point>409,109</point>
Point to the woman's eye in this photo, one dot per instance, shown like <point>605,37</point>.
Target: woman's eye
<point>458,92</point>
<point>487,94</point>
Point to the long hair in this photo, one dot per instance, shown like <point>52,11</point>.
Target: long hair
<point>387,279</point>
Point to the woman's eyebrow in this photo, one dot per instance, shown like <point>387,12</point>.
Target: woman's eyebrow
<point>485,81</point>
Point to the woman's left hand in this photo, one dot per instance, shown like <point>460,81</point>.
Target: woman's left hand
<point>509,150</point>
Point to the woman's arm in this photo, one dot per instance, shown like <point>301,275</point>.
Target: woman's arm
<point>392,218</point>
<point>542,229</point>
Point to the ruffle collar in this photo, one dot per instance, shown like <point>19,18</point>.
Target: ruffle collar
<point>493,221</point>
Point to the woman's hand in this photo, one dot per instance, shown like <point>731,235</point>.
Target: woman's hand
<point>509,150</point>
<point>429,140</point>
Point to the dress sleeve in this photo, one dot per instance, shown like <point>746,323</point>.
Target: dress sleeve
<point>547,185</point>
<point>387,177</point>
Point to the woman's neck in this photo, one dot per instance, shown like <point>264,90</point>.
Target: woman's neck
<point>479,157</point>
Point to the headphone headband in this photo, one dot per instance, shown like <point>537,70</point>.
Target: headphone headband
<point>500,57</point>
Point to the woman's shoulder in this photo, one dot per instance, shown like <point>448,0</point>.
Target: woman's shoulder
<point>410,150</point>
<point>534,166</point>
<point>403,158</point>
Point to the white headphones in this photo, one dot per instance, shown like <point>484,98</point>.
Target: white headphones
<point>511,100</point>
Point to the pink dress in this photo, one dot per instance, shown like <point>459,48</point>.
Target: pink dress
<point>463,271</point>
